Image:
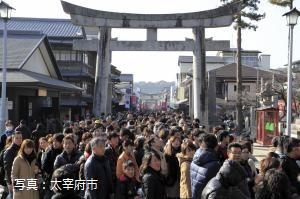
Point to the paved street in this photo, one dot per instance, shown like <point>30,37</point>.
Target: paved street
<point>260,151</point>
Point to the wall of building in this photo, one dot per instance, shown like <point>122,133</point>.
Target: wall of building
<point>180,93</point>
<point>249,91</point>
<point>26,103</point>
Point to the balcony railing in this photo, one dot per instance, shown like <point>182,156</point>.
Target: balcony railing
<point>75,68</point>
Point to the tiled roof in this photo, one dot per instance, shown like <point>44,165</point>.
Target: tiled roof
<point>209,59</point>
<point>19,47</point>
<point>34,79</point>
<point>53,28</point>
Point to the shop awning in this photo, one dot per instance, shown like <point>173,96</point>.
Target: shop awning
<point>29,79</point>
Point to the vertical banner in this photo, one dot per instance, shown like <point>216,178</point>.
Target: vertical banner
<point>127,101</point>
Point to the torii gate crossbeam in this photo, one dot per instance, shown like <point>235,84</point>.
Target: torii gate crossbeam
<point>198,21</point>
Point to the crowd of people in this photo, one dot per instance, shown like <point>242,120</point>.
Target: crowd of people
<point>151,156</point>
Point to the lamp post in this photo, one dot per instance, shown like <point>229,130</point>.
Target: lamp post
<point>291,18</point>
<point>5,14</point>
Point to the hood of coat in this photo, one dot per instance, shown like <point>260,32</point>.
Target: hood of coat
<point>231,173</point>
<point>182,158</point>
<point>204,156</point>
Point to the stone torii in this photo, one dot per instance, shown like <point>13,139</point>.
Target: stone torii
<point>105,21</point>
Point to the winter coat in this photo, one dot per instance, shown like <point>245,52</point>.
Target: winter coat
<point>292,170</point>
<point>3,138</point>
<point>8,159</point>
<point>263,192</point>
<point>64,158</point>
<point>226,185</point>
<point>97,168</point>
<point>126,188</point>
<point>123,158</point>
<point>40,157</point>
<point>173,177</point>
<point>153,185</point>
<point>204,167</point>
<point>112,157</point>
<point>47,162</point>
<point>222,153</point>
<point>249,177</point>
<point>185,180</point>
<point>22,169</point>
<point>139,154</point>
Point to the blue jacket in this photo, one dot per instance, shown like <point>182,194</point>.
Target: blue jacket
<point>205,166</point>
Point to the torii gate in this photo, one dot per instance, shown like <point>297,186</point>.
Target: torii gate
<point>105,21</point>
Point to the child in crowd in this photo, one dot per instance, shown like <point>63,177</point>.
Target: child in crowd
<point>127,184</point>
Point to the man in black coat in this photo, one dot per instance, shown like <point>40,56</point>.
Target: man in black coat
<point>50,155</point>
<point>289,164</point>
<point>9,156</point>
<point>47,162</point>
<point>111,152</point>
<point>226,184</point>
<point>97,172</point>
<point>70,154</point>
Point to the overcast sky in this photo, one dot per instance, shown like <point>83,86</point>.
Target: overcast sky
<point>270,37</point>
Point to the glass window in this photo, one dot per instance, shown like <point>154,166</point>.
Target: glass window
<point>219,88</point>
<point>85,58</point>
<point>65,55</point>
<point>79,56</point>
<point>73,55</point>
<point>62,55</point>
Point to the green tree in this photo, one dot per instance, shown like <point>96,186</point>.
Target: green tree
<point>243,20</point>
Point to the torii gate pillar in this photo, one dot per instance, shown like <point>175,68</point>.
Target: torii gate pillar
<point>102,71</point>
<point>199,76</point>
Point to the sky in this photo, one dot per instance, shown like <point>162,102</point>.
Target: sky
<point>271,36</point>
